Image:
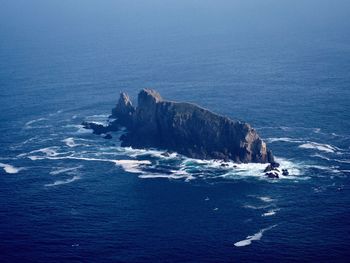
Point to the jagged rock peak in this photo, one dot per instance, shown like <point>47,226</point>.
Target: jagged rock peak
<point>148,96</point>
<point>187,129</point>
<point>124,99</point>
<point>124,109</point>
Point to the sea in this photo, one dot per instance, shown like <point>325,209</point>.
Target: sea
<point>67,195</point>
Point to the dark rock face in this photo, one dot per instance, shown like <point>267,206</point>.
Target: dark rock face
<point>123,110</point>
<point>187,129</point>
<point>97,128</point>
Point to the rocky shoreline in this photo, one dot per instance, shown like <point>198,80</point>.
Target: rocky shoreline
<point>186,128</point>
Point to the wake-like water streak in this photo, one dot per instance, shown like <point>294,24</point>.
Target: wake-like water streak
<point>65,170</point>
<point>60,182</point>
<point>255,237</point>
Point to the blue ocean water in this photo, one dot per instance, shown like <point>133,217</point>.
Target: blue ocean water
<point>67,195</point>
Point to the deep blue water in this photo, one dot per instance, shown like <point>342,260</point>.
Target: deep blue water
<point>67,195</point>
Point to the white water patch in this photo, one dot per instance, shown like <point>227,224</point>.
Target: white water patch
<point>321,157</point>
<point>332,169</point>
<point>294,169</point>
<point>70,142</point>
<point>65,170</point>
<point>127,164</point>
<point>257,170</point>
<point>174,175</point>
<point>256,207</point>
<point>270,212</point>
<point>317,130</point>
<point>10,169</point>
<point>80,129</point>
<point>319,146</point>
<point>101,119</point>
<point>284,139</point>
<point>342,161</point>
<point>28,124</point>
<point>56,113</point>
<point>166,176</point>
<point>60,182</point>
<point>330,159</point>
<point>47,151</point>
<point>187,168</point>
<point>131,166</point>
<point>133,152</point>
<point>255,237</point>
<point>266,199</point>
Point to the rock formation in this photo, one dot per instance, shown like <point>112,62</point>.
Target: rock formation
<point>187,129</point>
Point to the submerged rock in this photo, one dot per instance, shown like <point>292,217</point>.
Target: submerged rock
<point>285,172</point>
<point>272,175</point>
<point>187,129</point>
<point>96,127</point>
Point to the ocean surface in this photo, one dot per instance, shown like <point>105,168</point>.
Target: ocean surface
<point>67,195</point>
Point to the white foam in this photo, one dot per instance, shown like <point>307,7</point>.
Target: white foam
<point>60,182</point>
<point>342,161</point>
<point>329,159</point>
<point>333,169</point>
<point>98,116</point>
<point>29,123</point>
<point>266,199</point>
<point>82,130</point>
<point>65,170</point>
<point>167,176</point>
<point>55,113</point>
<point>255,237</point>
<point>321,156</point>
<point>48,152</point>
<point>70,142</point>
<point>319,146</point>
<point>175,174</point>
<point>256,207</point>
<point>317,130</point>
<point>131,166</point>
<point>133,152</point>
<point>270,212</point>
<point>283,139</point>
<point>10,169</point>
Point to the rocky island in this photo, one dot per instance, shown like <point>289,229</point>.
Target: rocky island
<point>185,128</point>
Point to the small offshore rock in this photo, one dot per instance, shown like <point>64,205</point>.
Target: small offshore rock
<point>272,175</point>
<point>285,172</point>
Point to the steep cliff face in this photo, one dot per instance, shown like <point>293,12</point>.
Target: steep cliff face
<point>188,129</point>
<point>124,110</point>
